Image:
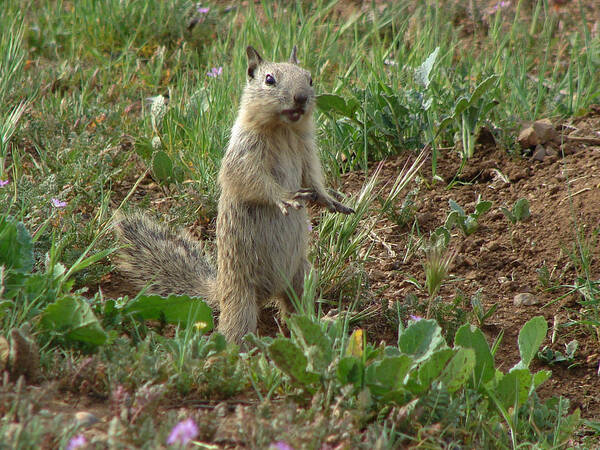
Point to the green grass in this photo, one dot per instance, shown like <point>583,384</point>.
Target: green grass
<point>77,125</point>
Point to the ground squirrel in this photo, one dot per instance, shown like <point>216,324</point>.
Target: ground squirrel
<point>270,170</point>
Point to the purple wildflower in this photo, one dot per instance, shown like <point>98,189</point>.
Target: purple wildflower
<point>58,204</point>
<point>215,72</point>
<point>202,10</point>
<point>183,432</point>
<point>499,5</point>
<point>415,318</point>
<point>280,445</point>
<point>76,442</point>
<point>3,183</point>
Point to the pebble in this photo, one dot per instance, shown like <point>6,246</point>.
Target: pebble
<point>85,418</point>
<point>539,153</point>
<point>526,299</point>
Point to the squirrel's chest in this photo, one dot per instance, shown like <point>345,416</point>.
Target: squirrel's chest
<point>285,162</point>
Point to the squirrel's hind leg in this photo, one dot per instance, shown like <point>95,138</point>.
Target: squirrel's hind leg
<point>239,313</point>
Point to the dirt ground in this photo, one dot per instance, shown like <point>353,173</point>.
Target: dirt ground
<point>500,259</point>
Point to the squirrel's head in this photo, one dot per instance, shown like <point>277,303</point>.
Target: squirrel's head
<point>283,91</point>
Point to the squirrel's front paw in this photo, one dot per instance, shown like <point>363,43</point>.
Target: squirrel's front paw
<point>288,203</point>
<point>336,206</point>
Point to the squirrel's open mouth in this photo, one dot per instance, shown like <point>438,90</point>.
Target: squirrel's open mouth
<point>293,114</point>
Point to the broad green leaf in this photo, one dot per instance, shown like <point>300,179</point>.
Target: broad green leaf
<point>162,166</point>
<point>461,105</point>
<point>430,369</point>
<point>440,237</point>
<point>176,309</point>
<point>16,246</point>
<point>514,387</point>
<point>531,337</point>
<point>72,319</point>
<point>567,428</point>
<point>469,336</point>
<point>521,209</point>
<point>482,207</point>
<point>459,369</point>
<point>470,224</point>
<point>424,70</point>
<point>337,104</point>
<point>482,88</point>
<point>387,374</point>
<point>289,358</point>
<point>509,215</point>
<point>310,332</point>
<point>454,218</point>
<point>420,339</point>
<point>540,377</point>
<point>349,371</point>
<point>317,344</point>
<point>456,207</point>
<point>5,305</point>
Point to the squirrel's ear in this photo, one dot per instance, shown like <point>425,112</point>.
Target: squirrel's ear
<point>293,58</point>
<point>254,60</point>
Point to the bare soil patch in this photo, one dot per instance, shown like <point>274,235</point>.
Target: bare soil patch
<point>500,259</point>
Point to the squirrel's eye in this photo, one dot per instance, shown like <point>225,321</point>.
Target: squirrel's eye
<point>310,81</point>
<point>270,79</point>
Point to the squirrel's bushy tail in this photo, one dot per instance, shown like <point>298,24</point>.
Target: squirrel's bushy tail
<point>169,262</point>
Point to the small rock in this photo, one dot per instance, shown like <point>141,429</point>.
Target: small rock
<point>544,130</point>
<point>528,138</point>
<point>551,152</point>
<point>526,299</point>
<point>539,153</point>
<point>85,418</point>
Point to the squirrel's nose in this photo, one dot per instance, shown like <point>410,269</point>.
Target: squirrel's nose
<point>300,99</point>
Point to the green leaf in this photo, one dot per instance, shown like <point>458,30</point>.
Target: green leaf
<point>513,388</point>
<point>482,88</point>
<point>531,337</point>
<point>440,237</point>
<point>469,336</point>
<point>461,105</point>
<point>482,207</point>
<point>521,209</point>
<point>454,218</point>
<point>310,332</point>
<point>509,215</point>
<point>350,371</point>
<point>420,339</point>
<point>162,166</point>
<point>72,319</point>
<point>176,309</point>
<point>290,359</point>
<point>424,70</point>
<point>459,369</point>
<point>16,246</point>
<point>314,340</point>
<point>5,305</point>
<point>470,225</point>
<point>540,377</point>
<point>430,369</point>
<point>456,207</point>
<point>337,104</point>
<point>387,374</point>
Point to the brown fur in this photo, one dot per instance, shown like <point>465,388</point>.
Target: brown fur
<point>269,171</point>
